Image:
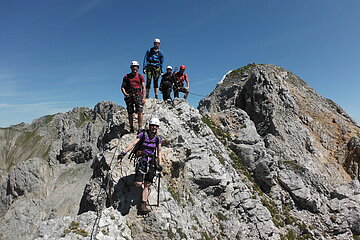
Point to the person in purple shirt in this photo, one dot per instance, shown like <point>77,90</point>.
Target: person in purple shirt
<point>146,167</point>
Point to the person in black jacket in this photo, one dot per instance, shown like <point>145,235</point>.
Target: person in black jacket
<point>167,82</point>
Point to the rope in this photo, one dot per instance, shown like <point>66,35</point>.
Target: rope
<point>197,94</point>
<point>95,229</point>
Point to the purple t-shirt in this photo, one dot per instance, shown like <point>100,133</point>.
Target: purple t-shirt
<point>149,145</point>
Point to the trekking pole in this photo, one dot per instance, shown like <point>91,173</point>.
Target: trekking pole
<point>158,196</point>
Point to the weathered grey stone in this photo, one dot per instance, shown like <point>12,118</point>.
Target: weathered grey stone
<point>308,140</point>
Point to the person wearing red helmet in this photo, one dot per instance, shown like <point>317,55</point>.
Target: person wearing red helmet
<point>180,78</point>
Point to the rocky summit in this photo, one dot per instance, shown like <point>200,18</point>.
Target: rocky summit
<point>263,157</point>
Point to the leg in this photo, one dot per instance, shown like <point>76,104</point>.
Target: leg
<point>149,75</point>
<point>139,109</point>
<point>166,94</point>
<point>176,93</point>
<point>131,121</point>
<point>186,93</point>
<point>156,79</point>
<point>130,109</point>
<point>145,193</point>
<point>140,120</point>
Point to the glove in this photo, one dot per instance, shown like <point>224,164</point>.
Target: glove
<point>144,71</point>
<point>159,168</point>
<point>121,155</point>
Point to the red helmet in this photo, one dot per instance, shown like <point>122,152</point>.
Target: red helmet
<point>182,67</point>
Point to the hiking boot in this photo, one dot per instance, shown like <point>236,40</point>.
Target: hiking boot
<point>143,210</point>
<point>156,97</point>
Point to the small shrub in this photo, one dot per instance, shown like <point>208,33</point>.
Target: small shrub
<point>81,232</point>
<point>218,132</point>
<point>356,237</point>
<point>84,117</point>
<point>291,235</point>
<point>218,156</point>
<point>175,194</point>
<point>181,233</point>
<point>105,231</point>
<point>48,118</point>
<point>74,225</point>
<point>170,234</point>
<point>221,216</point>
<point>205,236</point>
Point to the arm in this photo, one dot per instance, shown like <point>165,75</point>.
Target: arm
<point>145,59</point>
<point>123,86</point>
<point>132,144</point>
<point>159,154</point>
<point>175,81</point>
<point>161,61</point>
<point>187,81</point>
<point>143,89</point>
<point>124,92</point>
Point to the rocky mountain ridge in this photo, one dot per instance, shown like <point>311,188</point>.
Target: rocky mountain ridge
<point>263,157</point>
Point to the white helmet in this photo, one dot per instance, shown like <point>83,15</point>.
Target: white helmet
<point>154,121</point>
<point>134,63</point>
<point>156,40</point>
<point>169,67</point>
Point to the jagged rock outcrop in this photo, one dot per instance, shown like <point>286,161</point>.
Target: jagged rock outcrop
<point>46,165</point>
<point>264,157</point>
<point>199,174</point>
<point>307,155</point>
<point>352,160</point>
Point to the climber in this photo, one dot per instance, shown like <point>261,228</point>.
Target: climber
<point>133,88</point>
<point>147,145</point>
<point>167,82</point>
<point>180,78</point>
<point>153,62</point>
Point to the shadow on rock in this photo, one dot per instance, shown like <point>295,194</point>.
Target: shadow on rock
<point>126,194</point>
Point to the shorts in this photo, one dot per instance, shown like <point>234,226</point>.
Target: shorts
<point>183,89</point>
<point>134,104</point>
<point>149,176</point>
<point>152,72</point>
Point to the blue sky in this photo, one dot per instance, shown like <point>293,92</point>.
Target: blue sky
<point>56,55</point>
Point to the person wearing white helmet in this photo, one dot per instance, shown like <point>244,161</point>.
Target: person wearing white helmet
<point>166,83</point>
<point>153,62</point>
<point>133,88</point>
<point>149,160</point>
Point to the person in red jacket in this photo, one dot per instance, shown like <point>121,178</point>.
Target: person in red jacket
<point>133,88</point>
<point>180,78</point>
